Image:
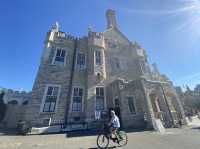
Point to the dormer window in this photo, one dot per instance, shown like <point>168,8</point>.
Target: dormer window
<point>59,58</point>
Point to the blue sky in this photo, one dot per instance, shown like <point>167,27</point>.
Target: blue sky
<point>169,30</point>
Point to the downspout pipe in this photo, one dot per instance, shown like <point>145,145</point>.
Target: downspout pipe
<point>69,94</point>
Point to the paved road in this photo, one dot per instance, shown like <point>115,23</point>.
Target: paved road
<point>186,138</point>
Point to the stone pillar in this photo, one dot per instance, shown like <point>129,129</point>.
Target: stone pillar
<point>149,109</point>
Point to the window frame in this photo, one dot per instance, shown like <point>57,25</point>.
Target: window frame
<point>104,98</point>
<point>100,58</point>
<point>82,100</point>
<point>45,97</point>
<point>134,104</point>
<point>55,55</point>
<point>78,66</point>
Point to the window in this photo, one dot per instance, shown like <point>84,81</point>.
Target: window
<point>81,61</point>
<point>60,57</point>
<point>117,63</point>
<point>100,98</point>
<point>117,103</point>
<point>98,75</point>
<point>98,57</point>
<point>77,99</point>
<point>131,105</point>
<point>77,119</point>
<point>50,99</point>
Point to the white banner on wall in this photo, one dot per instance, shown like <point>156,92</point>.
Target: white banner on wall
<point>97,115</point>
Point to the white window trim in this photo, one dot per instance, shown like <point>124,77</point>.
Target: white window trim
<point>84,67</point>
<point>55,52</point>
<point>82,107</point>
<point>44,97</point>
<point>105,104</point>
<point>134,101</point>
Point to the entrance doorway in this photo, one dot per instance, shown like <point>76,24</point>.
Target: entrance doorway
<point>117,108</point>
<point>156,107</point>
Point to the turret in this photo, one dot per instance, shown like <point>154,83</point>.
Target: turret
<point>54,29</point>
<point>111,19</point>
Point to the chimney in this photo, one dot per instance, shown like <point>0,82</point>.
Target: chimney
<point>111,19</point>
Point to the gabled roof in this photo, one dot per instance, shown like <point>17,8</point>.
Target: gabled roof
<point>119,32</point>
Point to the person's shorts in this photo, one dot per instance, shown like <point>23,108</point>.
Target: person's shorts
<point>114,128</point>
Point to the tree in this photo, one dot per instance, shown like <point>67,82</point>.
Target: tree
<point>2,106</point>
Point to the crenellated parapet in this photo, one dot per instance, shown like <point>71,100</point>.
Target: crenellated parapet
<point>96,39</point>
<point>18,96</point>
<point>56,36</point>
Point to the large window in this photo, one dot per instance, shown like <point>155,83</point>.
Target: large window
<point>100,98</point>
<point>60,57</point>
<point>77,99</point>
<point>98,57</point>
<point>50,99</point>
<point>131,104</point>
<point>80,60</point>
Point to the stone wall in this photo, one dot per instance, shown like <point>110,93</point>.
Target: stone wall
<point>14,113</point>
<point>51,74</point>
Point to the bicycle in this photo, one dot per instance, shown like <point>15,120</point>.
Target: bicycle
<point>104,138</point>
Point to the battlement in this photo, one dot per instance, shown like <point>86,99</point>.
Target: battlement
<point>10,91</point>
<point>62,36</point>
<point>96,38</point>
<point>98,35</point>
<point>19,96</point>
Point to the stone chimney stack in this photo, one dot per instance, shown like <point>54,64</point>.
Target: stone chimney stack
<point>111,18</point>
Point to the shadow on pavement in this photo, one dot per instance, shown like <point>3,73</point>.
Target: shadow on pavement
<point>106,148</point>
<point>83,133</point>
<point>132,130</point>
<point>196,128</point>
<point>8,132</point>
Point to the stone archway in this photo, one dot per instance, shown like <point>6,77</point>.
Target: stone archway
<point>156,106</point>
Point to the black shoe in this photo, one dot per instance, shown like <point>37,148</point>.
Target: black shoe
<point>114,139</point>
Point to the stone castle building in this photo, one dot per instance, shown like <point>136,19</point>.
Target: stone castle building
<point>81,78</point>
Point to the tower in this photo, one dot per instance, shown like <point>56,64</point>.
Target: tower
<point>111,19</point>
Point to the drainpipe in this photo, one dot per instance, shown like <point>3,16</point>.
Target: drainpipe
<point>71,82</point>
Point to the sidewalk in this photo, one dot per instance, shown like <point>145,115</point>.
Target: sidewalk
<point>195,122</point>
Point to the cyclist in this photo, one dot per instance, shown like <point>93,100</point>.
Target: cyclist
<point>114,125</point>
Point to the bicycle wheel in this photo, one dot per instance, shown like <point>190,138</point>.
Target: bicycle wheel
<point>102,141</point>
<point>123,138</point>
